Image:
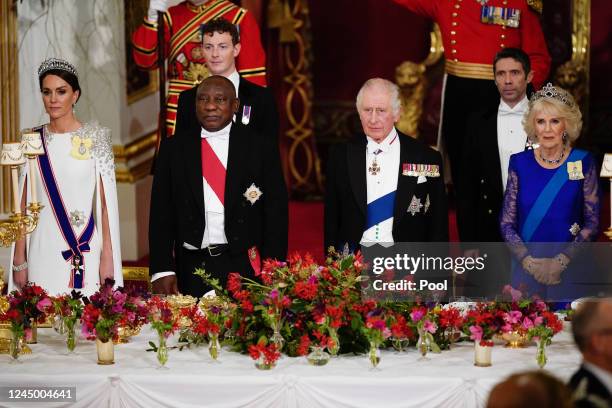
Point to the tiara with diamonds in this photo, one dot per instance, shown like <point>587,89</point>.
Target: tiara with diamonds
<point>57,63</point>
<point>550,92</point>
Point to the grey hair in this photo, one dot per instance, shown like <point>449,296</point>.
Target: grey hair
<point>391,88</point>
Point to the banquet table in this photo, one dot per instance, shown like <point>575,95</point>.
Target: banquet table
<point>192,379</point>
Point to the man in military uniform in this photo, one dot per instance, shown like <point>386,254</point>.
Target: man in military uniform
<point>383,186</point>
<point>473,31</point>
<point>183,45</point>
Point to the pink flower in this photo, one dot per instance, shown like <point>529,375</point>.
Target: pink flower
<point>417,315</point>
<point>506,328</point>
<point>515,294</point>
<point>44,304</point>
<point>430,326</point>
<point>527,323</point>
<point>513,317</point>
<point>538,321</point>
<point>476,333</point>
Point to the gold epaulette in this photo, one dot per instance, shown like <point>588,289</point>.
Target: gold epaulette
<point>536,5</point>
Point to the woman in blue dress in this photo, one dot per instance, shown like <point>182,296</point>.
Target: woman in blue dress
<point>552,197</point>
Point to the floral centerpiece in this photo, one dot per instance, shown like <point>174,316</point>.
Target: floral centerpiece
<point>135,316</point>
<point>69,308</point>
<point>544,327</point>
<point>216,311</point>
<point>481,323</point>
<point>376,331</point>
<point>103,313</point>
<point>164,322</point>
<point>27,306</point>
<point>424,320</point>
<point>264,354</point>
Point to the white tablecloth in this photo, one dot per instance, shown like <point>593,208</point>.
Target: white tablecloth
<point>192,379</point>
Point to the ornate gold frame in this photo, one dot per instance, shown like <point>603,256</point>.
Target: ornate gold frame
<point>123,154</point>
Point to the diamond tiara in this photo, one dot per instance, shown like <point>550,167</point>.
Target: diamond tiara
<point>57,63</point>
<point>550,92</point>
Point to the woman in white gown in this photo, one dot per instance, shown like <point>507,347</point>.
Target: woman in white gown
<point>76,243</point>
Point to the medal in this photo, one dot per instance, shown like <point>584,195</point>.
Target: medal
<point>374,168</point>
<point>415,206</point>
<point>246,114</point>
<point>574,170</point>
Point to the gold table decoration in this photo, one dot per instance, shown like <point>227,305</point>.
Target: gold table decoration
<point>515,340</point>
<point>125,332</point>
<point>5,328</point>
<point>178,302</point>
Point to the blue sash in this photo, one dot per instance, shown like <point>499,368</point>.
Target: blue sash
<point>380,210</point>
<point>77,246</point>
<point>547,195</point>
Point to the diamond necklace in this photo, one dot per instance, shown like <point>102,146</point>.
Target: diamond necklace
<point>553,161</point>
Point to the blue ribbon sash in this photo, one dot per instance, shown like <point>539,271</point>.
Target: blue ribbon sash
<point>74,254</point>
<point>380,210</point>
<point>547,195</point>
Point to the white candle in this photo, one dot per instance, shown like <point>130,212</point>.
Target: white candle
<point>33,196</point>
<point>15,179</point>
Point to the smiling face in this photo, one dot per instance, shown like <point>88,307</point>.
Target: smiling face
<point>58,97</point>
<point>220,53</point>
<point>216,103</point>
<point>549,127</point>
<point>376,113</point>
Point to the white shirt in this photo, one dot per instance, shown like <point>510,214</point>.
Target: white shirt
<point>602,375</point>
<point>384,182</point>
<point>214,229</point>
<point>511,136</point>
<point>235,78</point>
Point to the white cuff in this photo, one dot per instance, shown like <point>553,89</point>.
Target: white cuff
<point>158,275</point>
<point>152,15</point>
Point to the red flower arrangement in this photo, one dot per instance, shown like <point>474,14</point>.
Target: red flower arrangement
<point>103,312</point>
<point>29,305</point>
<point>264,354</point>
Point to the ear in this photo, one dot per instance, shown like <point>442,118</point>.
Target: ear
<point>396,116</point>
<point>530,76</point>
<point>236,50</point>
<point>235,105</point>
<point>75,97</point>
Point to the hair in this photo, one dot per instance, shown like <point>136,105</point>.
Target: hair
<point>221,25</point>
<point>571,116</point>
<point>70,78</point>
<point>584,321</point>
<point>531,388</point>
<point>390,87</point>
<point>516,54</point>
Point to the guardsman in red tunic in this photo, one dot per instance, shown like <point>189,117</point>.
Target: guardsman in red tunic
<point>473,31</point>
<point>186,62</point>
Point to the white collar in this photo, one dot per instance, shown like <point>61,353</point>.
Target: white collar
<point>222,134</point>
<point>385,145</point>
<point>520,107</point>
<point>235,78</point>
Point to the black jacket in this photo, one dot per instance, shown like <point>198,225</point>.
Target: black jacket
<point>177,197</point>
<point>346,195</point>
<point>480,189</point>
<point>588,391</point>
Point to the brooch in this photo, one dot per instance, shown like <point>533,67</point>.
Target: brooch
<point>252,193</point>
<point>77,218</point>
<point>81,147</point>
<point>415,206</point>
<point>574,170</point>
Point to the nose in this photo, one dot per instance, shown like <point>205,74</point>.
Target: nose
<point>52,96</point>
<point>215,51</point>
<point>507,78</point>
<point>372,117</point>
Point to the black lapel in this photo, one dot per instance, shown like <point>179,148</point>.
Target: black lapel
<point>356,160</point>
<point>245,95</point>
<point>192,153</point>
<point>405,184</point>
<point>491,149</point>
<point>237,158</point>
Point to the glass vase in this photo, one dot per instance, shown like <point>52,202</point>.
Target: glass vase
<point>15,347</point>
<point>32,336</point>
<point>541,353</point>
<point>162,350</point>
<point>70,335</point>
<point>59,326</point>
<point>374,354</point>
<point>482,355</point>
<point>277,337</point>
<point>213,345</point>
<point>422,343</point>
<point>318,357</point>
<point>262,364</point>
<point>335,347</point>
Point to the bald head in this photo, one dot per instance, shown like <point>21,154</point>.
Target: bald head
<point>216,103</point>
